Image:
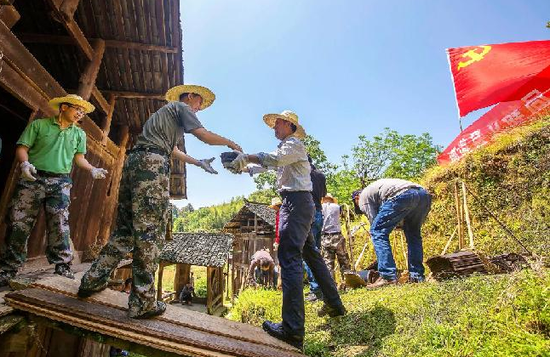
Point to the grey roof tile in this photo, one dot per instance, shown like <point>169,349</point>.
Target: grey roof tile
<point>203,249</point>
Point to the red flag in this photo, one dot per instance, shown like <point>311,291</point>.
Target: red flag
<point>489,74</point>
<point>503,116</point>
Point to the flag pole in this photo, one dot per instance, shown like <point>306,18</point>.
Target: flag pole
<point>454,87</point>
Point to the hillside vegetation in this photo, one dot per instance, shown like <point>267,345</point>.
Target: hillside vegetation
<point>498,315</point>
<point>511,178</point>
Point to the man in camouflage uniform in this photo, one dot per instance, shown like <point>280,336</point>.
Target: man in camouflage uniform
<point>143,206</point>
<point>332,240</point>
<point>47,149</point>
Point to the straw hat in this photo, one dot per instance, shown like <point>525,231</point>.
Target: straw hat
<point>71,99</point>
<point>331,198</point>
<point>289,116</point>
<point>275,202</point>
<point>208,97</point>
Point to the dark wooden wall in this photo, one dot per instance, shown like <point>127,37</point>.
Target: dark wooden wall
<point>92,210</point>
<point>251,235</point>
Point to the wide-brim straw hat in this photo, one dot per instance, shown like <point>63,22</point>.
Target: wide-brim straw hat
<point>72,99</point>
<point>208,97</point>
<point>330,197</point>
<point>275,202</point>
<point>289,116</point>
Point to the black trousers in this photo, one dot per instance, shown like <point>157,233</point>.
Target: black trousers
<point>297,243</point>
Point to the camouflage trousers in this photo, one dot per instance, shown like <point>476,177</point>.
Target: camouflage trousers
<point>142,214</point>
<point>52,193</point>
<point>334,246</point>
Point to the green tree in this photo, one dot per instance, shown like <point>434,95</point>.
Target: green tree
<point>262,196</point>
<point>393,155</point>
<point>341,183</point>
<point>207,219</point>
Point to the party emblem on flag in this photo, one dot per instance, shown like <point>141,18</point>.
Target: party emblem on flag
<point>474,56</point>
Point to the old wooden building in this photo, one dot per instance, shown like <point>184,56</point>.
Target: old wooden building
<point>120,55</point>
<point>210,250</point>
<point>254,229</point>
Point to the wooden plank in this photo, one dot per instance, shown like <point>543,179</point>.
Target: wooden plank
<point>157,332</point>
<point>176,315</point>
<point>4,309</point>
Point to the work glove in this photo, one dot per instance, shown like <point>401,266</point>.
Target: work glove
<point>98,173</point>
<point>239,163</point>
<point>27,171</point>
<point>227,160</point>
<point>253,169</point>
<point>205,164</point>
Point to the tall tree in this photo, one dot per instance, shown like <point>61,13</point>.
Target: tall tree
<point>393,155</point>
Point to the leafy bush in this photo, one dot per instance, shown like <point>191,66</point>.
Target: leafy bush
<point>201,289</point>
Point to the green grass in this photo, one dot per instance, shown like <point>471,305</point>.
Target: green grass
<point>498,315</point>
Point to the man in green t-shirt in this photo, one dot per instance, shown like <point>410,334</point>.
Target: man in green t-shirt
<point>46,151</point>
<point>144,197</point>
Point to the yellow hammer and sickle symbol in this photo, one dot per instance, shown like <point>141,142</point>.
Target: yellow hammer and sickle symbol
<point>474,56</point>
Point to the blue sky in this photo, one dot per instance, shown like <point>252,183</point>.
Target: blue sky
<point>347,68</point>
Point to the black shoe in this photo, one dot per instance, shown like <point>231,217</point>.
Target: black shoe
<point>331,311</point>
<point>161,307</point>
<point>64,270</point>
<point>277,331</point>
<point>85,293</point>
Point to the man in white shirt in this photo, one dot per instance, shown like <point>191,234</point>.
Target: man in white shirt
<point>295,218</point>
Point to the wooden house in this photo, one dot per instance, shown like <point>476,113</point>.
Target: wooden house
<point>120,55</point>
<point>210,250</point>
<point>254,229</point>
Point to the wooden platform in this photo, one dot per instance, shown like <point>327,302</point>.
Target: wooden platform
<point>177,331</point>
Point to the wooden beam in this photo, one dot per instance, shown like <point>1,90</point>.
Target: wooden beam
<point>134,95</point>
<point>68,8</point>
<point>9,15</point>
<point>105,106</point>
<point>24,63</point>
<point>66,40</point>
<point>106,127</point>
<point>73,29</point>
<point>87,79</point>
<point>124,136</point>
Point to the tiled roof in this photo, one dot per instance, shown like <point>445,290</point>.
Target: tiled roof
<point>203,249</point>
<point>263,211</point>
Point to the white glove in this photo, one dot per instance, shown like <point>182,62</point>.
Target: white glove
<point>240,162</point>
<point>205,164</point>
<point>27,169</point>
<point>98,173</point>
<point>254,169</point>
